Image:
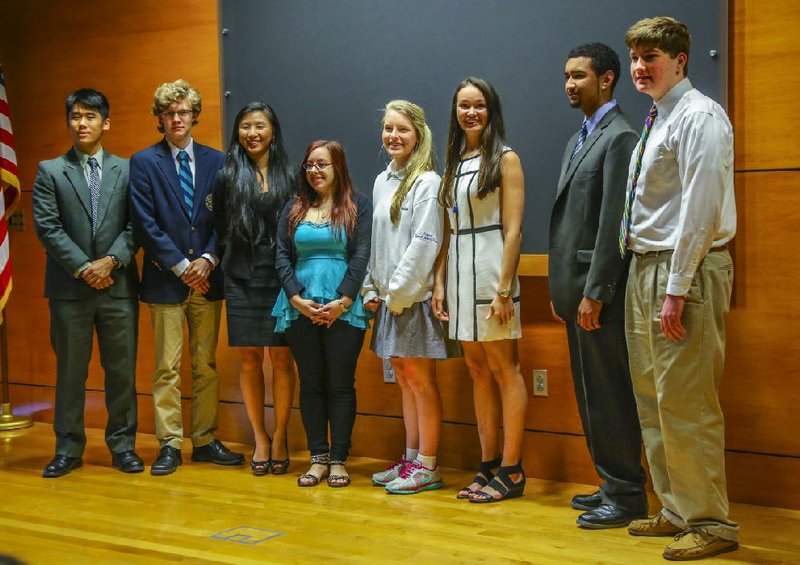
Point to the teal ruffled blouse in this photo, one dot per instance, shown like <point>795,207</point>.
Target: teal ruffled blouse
<point>320,266</point>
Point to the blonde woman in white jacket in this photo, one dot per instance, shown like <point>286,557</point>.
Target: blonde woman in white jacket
<point>407,226</point>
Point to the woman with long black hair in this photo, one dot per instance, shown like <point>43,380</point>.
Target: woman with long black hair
<point>249,193</point>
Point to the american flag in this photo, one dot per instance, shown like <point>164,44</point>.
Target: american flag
<point>9,182</point>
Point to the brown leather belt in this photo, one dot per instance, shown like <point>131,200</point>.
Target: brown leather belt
<point>655,253</point>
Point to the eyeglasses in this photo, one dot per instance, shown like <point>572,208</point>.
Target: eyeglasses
<point>319,165</point>
<point>182,114</point>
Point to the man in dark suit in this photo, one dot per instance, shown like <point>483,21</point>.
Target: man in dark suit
<point>80,209</point>
<point>587,286</point>
<point>171,184</point>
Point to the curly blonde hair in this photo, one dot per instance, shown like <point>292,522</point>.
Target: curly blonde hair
<point>170,92</point>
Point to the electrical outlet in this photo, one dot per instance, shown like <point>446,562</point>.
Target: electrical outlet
<point>388,372</point>
<point>540,382</point>
<point>16,222</point>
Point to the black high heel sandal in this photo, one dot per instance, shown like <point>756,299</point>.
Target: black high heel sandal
<point>503,484</point>
<point>259,468</point>
<point>280,466</point>
<point>483,477</point>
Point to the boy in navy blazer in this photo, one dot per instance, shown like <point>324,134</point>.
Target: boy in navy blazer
<point>171,184</point>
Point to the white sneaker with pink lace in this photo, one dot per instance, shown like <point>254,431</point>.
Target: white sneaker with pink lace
<point>415,478</point>
<point>383,478</point>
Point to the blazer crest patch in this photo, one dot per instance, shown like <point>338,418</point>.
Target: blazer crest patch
<point>210,202</point>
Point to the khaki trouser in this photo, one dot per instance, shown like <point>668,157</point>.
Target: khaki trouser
<point>203,318</point>
<point>677,388</point>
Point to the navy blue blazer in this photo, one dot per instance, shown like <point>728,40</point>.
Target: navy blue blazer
<point>162,226</point>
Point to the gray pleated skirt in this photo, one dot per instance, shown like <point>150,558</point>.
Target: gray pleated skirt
<point>416,333</point>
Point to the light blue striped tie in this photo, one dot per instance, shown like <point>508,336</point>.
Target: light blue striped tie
<point>185,176</point>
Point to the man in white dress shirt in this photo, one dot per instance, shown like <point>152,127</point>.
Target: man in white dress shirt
<point>680,216</point>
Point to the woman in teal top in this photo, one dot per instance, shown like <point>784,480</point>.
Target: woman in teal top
<point>322,254</point>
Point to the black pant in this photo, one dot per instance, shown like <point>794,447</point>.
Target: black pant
<point>72,323</point>
<point>607,407</point>
<point>326,360</point>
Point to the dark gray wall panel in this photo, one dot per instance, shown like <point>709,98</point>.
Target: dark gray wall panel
<point>329,66</point>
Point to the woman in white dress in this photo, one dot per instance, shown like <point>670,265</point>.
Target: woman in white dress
<point>407,225</point>
<point>483,191</point>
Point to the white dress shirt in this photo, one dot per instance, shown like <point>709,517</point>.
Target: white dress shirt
<point>189,149</point>
<point>684,197</point>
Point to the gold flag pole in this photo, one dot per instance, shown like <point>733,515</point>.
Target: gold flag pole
<point>7,419</point>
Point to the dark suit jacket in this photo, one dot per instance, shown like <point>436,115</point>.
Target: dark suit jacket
<point>62,213</point>
<point>584,257</point>
<point>163,227</point>
<point>358,248</point>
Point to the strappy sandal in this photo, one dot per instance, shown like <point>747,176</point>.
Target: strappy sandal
<point>280,466</point>
<point>503,484</point>
<point>483,477</point>
<point>259,468</point>
<point>311,480</point>
<point>338,481</point>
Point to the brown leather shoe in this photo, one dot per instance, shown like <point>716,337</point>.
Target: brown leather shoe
<point>654,526</point>
<point>697,543</point>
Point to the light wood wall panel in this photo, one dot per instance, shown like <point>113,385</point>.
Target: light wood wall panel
<point>759,390</point>
<point>131,58</point>
<point>764,45</point>
<point>49,48</point>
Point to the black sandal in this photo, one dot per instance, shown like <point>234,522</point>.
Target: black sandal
<point>311,480</point>
<point>259,468</point>
<point>338,481</point>
<point>503,484</point>
<point>483,477</point>
<point>280,466</point>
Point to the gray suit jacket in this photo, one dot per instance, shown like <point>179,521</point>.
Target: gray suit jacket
<point>62,213</point>
<point>584,257</point>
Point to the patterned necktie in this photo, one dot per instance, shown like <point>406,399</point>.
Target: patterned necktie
<point>185,176</point>
<point>581,138</point>
<point>625,225</point>
<point>94,191</point>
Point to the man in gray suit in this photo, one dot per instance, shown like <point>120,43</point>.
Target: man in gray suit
<point>80,208</point>
<point>587,286</point>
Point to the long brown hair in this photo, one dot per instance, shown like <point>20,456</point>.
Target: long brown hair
<point>493,139</point>
<point>343,214</point>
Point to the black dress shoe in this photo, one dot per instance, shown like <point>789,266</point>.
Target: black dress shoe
<point>61,465</point>
<point>216,452</point>
<point>167,461</point>
<point>127,462</point>
<point>607,516</point>
<point>587,501</point>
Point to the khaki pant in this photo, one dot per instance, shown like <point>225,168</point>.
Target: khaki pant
<point>203,318</point>
<point>677,389</point>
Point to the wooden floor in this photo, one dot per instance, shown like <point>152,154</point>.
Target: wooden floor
<point>210,514</point>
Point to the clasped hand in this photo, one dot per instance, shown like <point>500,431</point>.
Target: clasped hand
<point>196,275</point>
<point>319,314</point>
<point>98,274</point>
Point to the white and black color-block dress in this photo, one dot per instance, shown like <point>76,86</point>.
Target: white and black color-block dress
<point>474,260</point>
